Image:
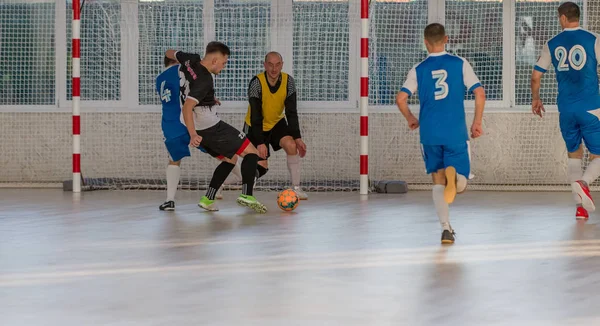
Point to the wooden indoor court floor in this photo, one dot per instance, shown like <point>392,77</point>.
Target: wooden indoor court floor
<point>112,258</point>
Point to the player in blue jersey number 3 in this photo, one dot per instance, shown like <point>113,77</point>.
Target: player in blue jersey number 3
<point>441,80</point>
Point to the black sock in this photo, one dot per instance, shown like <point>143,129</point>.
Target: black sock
<point>221,173</point>
<point>248,173</point>
<point>260,171</point>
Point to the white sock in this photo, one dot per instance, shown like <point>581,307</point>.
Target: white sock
<point>293,163</point>
<point>461,183</point>
<point>575,172</point>
<point>441,206</point>
<point>592,172</point>
<point>173,172</point>
<point>471,175</point>
<point>236,174</point>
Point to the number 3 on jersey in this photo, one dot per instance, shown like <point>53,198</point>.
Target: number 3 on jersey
<point>441,87</point>
<point>576,55</point>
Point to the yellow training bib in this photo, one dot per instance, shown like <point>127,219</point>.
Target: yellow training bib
<point>272,103</point>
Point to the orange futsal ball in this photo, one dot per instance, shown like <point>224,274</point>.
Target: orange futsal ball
<point>288,200</point>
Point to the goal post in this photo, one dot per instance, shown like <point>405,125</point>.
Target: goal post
<point>76,91</point>
<point>364,97</point>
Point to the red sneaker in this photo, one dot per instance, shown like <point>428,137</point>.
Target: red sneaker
<point>581,188</point>
<point>581,213</point>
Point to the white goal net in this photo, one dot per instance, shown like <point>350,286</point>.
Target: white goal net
<point>123,43</point>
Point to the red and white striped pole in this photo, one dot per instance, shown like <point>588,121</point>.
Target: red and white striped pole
<point>364,98</point>
<point>76,91</point>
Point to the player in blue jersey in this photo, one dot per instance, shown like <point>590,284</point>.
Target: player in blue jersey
<point>177,138</point>
<point>574,54</point>
<point>441,80</point>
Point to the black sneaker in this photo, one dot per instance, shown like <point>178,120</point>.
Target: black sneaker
<point>448,236</point>
<point>167,206</point>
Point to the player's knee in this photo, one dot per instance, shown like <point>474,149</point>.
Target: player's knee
<point>250,149</point>
<point>439,177</point>
<point>291,150</point>
<point>176,163</point>
<point>230,160</point>
<point>289,145</point>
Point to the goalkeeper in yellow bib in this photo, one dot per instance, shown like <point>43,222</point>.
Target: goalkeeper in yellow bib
<point>273,105</point>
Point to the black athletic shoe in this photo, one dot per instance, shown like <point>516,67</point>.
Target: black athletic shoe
<point>448,236</point>
<point>167,206</point>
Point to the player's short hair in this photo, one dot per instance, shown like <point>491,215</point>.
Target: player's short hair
<point>169,62</point>
<point>435,33</point>
<point>570,10</point>
<point>217,47</point>
<point>273,52</point>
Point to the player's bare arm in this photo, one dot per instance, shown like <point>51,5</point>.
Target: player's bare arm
<point>409,87</point>
<point>476,127</point>
<point>402,102</point>
<point>537,107</point>
<point>541,66</point>
<point>301,146</point>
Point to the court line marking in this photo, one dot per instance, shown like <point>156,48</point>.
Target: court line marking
<point>300,265</point>
<point>351,254</point>
<point>144,243</point>
<point>456,250</point>
<point>261,239</point>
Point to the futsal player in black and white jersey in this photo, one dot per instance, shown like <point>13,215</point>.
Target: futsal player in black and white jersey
<point>177,138</point>
<point>206,129</point>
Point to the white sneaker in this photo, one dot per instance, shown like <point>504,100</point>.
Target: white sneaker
<point>219,194</point>
<point>301,194</point>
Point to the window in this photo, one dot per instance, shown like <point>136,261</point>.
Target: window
<point>245,27</point>
<point>321,50</point>
<point>396,45</point>
<point>27,68</point>
<point>162,26</point>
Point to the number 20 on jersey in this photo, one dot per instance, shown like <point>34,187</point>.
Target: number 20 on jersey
<point>576,56</point>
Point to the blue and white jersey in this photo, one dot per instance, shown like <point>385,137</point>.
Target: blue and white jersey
<point>168,88</point>
<point>574,53</point>
<point>441,80</point>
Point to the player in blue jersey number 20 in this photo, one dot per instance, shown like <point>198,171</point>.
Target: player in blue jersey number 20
<point>574,54</point>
